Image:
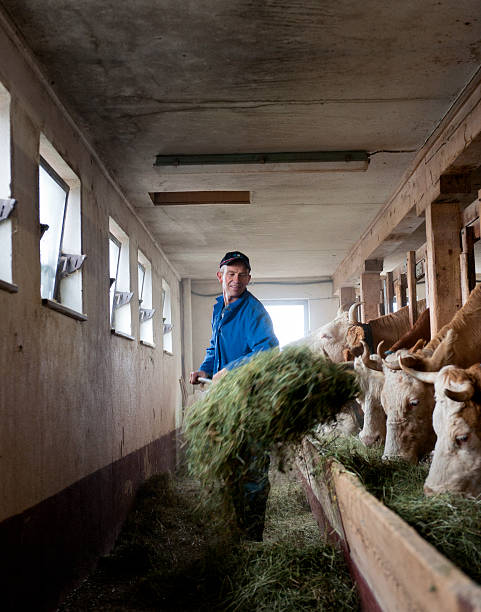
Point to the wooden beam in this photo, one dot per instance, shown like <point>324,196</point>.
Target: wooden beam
<point>468,268</point>
<point>443,250</point>
<point>370,288</point>
<point>388,303</point>
<point>421,183</point>
<point>411,282</point>
<point>347,297</point>
<point>373,265</point>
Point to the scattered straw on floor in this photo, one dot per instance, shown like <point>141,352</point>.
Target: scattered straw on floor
<point>173,557</point>
<point>449,522</point>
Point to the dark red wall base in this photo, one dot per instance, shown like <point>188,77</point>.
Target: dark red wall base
<point>48,549</point>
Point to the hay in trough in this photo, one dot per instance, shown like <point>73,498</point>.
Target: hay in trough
<point>274,400</point>
<point>449,522</point>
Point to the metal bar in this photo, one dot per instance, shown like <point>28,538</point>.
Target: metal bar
<point>261,158</point>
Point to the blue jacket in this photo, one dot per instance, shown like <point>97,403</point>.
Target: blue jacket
<point>239,330</point>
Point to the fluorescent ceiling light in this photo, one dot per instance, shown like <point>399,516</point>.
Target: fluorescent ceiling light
<point>169,198</point>
<point>300,161</point>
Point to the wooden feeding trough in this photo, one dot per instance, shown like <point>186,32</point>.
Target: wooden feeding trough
<point>394,567</point>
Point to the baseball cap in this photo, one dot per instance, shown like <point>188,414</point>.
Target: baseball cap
<point>235,256</point>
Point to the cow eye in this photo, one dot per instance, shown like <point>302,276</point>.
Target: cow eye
<point>413,402</point>
<point>460,440</point>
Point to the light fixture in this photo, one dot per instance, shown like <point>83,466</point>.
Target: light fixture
<point>300,161</point>
<point>170,198</point>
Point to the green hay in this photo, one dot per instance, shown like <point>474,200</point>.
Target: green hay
<point>272,401</point>
<point>281,577</point>
<point>449,522</point>
<point>170,557</point>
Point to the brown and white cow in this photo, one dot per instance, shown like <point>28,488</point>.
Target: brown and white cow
<point>345,333</point>
<point>456,464</point>
<point>409,402</point>
<point>389,329</point>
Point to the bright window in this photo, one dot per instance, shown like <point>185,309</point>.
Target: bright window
<point>289,318</point>
<point>61,256</point>
<point>53,194</point>
<point>119,271</point>
<point>5,190</point>
<point>146,312</point>
<point>167,316</point>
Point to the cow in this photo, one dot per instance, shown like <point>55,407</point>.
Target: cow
<point>409,402</point>
<point>421,330</point>
<point>344,332</point>
<point>388,329</point>
<point>456,464</point>
<point>371,383</point>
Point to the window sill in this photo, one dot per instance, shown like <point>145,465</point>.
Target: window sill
<point>166,352</point>
<point>69,312</point>
<point>146,343</point>
<point>10,287</point>
<point>120,334</point>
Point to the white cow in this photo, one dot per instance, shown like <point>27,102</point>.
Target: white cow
<point>456,464</point>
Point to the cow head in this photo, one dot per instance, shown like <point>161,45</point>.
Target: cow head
<point>409,401</point>
<point>456,464</point>
<point>371,379</point>
<point>331,337</point>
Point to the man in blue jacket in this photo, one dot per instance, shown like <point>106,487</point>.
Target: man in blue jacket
<point>241,327</point>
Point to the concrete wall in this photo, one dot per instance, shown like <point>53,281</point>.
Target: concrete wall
<point>86,415</point>
<point>322,305</point>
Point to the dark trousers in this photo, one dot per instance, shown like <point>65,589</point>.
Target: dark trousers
<point>249,496</point>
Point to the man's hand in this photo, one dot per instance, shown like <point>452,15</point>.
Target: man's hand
<point>219,375</point>
<point>194,376</point>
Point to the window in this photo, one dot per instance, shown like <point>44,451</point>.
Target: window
<point>119,271</point>
<point>6,203</point>
<point>289,318</point>
<point>167,316</point>
<point>146,312</point>
<point>61,256</point>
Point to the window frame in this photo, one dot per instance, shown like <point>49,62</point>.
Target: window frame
<point>118,244</point>
<point>43,163</point>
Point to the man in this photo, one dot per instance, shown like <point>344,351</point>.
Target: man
<point>241,327</point>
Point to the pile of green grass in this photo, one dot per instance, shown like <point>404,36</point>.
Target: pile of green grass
<point>272,401</point>
<point>449,522</point>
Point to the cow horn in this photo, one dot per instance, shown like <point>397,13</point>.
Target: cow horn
<point>463,395</point>
<point>372,364</point>
<point>381,354</point>
<point>443,355</point>
<point>426,377</point>
<point>419,345</point>
<point>352,313</point>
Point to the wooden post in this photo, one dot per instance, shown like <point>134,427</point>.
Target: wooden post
<point>370,288</point>
<point>411,279</point>
<point>400,291</point>
<point>442,252</point>
<point>468,269</point>
<point>389,293</point>
<point>347,297</point>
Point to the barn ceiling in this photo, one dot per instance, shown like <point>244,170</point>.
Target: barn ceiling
<point>243,76</point>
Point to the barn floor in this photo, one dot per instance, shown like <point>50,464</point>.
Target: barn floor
<point>171,556</point>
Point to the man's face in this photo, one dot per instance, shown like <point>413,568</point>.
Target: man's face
<point>234,279</point>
